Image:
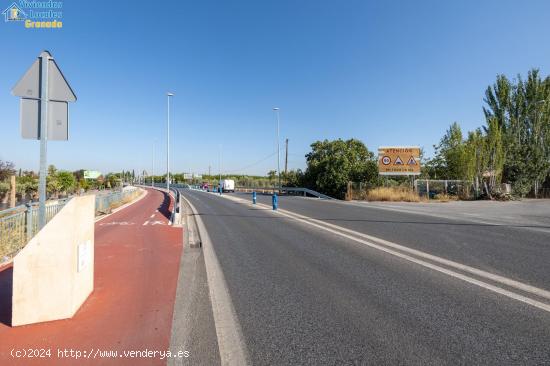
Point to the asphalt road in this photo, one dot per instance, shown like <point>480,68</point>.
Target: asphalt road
<point>518,251</point>
<point>303,295</point>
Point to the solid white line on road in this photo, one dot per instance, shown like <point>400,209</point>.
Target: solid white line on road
<point>478,272</point>
<point>473,218</point>
<point>231,343</point>
<point>338,230</point>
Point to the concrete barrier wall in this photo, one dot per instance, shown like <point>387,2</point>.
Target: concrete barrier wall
<point>54,274</point>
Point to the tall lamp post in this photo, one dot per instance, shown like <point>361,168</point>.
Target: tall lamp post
<point>168,95</point>
<point>153,166</point>
<point>276,109</point>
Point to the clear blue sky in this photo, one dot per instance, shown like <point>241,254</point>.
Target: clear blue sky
<point>385,72</point>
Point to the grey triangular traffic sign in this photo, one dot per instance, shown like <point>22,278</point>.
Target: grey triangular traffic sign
<point>58,87</point>
<point>29,85</point>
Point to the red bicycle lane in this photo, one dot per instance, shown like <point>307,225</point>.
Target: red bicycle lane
<point>137,256</point>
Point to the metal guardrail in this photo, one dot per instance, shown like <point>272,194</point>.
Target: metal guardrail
<point>286,190</point>
<point>19,225</point>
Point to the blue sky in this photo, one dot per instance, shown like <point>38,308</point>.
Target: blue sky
<point>385,72</point>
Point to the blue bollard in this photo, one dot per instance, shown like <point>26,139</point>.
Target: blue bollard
<point>275,201</point>
<point>254,197</point>
<point>220,189</point>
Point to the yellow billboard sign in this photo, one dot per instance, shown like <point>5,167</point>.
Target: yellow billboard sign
<point>399,160</point>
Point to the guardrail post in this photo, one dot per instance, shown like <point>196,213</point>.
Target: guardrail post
<point>28,217</point>
<point>254,197</point>
<point>275,201</point>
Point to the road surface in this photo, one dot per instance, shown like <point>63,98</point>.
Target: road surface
<point>137,255</point>
<point>310,293</point>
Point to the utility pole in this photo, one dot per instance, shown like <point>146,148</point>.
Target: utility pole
<point>209,167</point>
<point>168,95</point>
<point>153,166</point>
<point>276,109</point>
<point>220,166</point>
<point>286,156</point>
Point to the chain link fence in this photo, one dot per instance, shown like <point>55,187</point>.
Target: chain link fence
<point>427,188</point>
<point>431,188</point>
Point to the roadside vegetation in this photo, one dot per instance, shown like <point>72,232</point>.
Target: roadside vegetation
<point>392,194</point>
<point>511,147</point>
<point>59,183</point>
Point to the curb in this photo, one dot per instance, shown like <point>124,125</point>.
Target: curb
<point>143,194</point>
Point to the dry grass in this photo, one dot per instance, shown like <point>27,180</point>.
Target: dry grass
<point>444,198</point>
<point>393,194</point>
<point>126,200</point>
<point>11,241</point>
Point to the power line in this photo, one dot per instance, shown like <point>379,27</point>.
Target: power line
<point>251,165</point>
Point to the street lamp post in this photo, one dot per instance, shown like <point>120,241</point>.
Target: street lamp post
<point>276,109</point>
<point>168,95</point>
<point>153,166</point>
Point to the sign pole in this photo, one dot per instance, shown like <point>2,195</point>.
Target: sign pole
<point>44,61</point>
<point>42,81</point>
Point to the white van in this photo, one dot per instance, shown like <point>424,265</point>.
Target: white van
<point>228,185</point>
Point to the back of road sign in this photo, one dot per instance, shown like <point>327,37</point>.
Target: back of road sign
<point>58,119</point>
<point>59,93</point>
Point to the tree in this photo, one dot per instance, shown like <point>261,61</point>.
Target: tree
<point>332,164</point>
<point>7,169</point>
<point>53,187</point>
<point>522,112</point>
<point>449,161</point>
<point>293,178</point>
<point>67,181</point>
<point>272,174</point>
<point>52,169</point>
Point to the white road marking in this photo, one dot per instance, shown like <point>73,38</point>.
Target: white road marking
<point>153,215</point>
<point>114,223</point>
<point>146,222</point>
<point>338,230</point>
<point>228,330</point>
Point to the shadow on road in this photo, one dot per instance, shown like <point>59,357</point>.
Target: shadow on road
<point>164,207</point>
<point>6,289</point>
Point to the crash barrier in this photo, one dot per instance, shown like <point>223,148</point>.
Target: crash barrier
<point>175,217</point>
<point>288,191</point>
